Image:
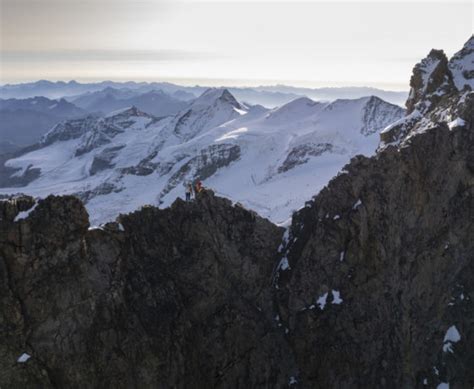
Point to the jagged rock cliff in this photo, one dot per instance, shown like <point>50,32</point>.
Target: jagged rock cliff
<point>370,287</point>
<point>376,280</point>
<point>392,242</point>
<point>168,298</point>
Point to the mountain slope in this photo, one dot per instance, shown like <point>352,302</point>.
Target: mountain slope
<point>269,160</point>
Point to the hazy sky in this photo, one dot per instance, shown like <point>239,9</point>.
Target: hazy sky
<point>313,43</point>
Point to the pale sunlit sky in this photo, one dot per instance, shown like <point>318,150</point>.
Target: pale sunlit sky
<point>309,43</point>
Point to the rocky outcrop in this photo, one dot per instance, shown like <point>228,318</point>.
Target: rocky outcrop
<point>299,155</point>
<point>100,190</point>
<point>104,159</point>
<point>431,78</point>
<point>69,129</point>
<point>438,87</point>
<point>11,177</point>
<point>167,298</point>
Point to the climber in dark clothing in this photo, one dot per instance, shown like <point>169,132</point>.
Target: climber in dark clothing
<point>189,192</point>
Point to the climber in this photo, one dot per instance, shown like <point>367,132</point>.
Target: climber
<point>189,192</point>
<point>198,187</point>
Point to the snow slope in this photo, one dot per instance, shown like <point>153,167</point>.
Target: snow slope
<point>271,161</point>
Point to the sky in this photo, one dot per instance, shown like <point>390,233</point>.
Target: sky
<point>309,43</point>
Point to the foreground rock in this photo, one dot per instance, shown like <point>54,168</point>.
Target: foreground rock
<point>174,298</point>
<point>382,265</point>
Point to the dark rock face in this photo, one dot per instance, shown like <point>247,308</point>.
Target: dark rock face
<point>145,167</point>
<point>101,189</point>
<point>431,75</point>
<point>381,265</point>
<point>301,154</point>
<point>100,134</point>
<point>69,129</point>
<point>180,298</point>
<point>7,176</point>
<point>438,89</point>
<point>104,160</point>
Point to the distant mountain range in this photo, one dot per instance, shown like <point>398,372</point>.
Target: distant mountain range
<point>329,94</point>
<point>269,96</point>
<point>24,121</point>
<point>270,160</point>
<point>155,102</point>
<point>28,111</point>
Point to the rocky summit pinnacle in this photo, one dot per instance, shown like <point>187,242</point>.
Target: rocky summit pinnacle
<point>435,77</point>
<point>431,78</point>
<point>370,286</point>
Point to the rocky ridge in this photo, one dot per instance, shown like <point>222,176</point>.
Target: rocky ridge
<point>439,88</point>
<point>155,299</point>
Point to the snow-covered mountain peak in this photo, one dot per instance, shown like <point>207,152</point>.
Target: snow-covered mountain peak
<point>462,66</point>
<point>374,100</point>
<point>377,114</point>
<point>347,103</point>
<point>214,96</point>
<point>214,107</point>
<point>296,109</point>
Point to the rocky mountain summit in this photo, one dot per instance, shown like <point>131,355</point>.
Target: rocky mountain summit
<point>371,286</point>
<point>439,88</point>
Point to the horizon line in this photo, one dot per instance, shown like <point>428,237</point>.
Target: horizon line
<point>219,82</point>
